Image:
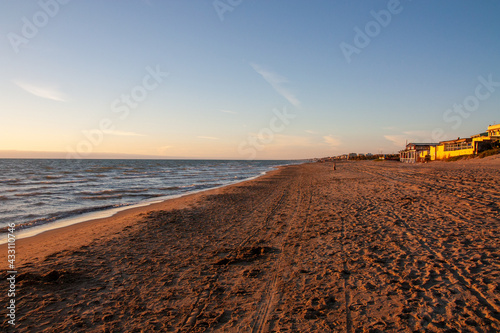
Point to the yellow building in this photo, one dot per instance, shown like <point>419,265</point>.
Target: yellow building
<point>420,152</point>
<point>452,148</point>
<point>494,131</point>
<point>467,146</point>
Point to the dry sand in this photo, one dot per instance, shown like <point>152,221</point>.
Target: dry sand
<point>370,247</point>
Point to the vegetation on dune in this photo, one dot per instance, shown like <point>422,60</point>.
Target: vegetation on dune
<point>489,152</point>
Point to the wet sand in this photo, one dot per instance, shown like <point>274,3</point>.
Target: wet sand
<point>370,247</point>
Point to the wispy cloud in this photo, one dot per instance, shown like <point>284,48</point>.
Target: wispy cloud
<point>276,81</point>
<point>399,140</point>
<point>229,111</point>
<point>121,133</point>
<point>332,141</point>
<point>207,137</point>
<point>310,132</point>
<point>43,91</point>
<point>422,134</point>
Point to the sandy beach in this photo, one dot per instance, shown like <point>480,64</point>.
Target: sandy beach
<point>369,247</point>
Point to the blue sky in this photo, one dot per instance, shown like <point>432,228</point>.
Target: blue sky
<point>243,79</point>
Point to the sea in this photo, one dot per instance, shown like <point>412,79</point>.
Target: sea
<point>38,194</point>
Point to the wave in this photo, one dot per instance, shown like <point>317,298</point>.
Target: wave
<point>62,215</point>
<point>100,169</point>
<point>170,188</point>
<point>49,182</point>
<point>31,194</point>
<point>10,181</point>
<point>103,197</point>
<point>204,181</point>
<point>121,196</point>
<point>129,177</point>
<point>197,186</point>
<point>106,192</point>
<point>62,182</point>
<point>53,177</point>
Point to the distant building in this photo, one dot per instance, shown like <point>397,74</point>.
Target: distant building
<point>421,152</point>
<point>416,152</point>
<point>494,132</point>
<point>453,148</point>
<point>468,146</point>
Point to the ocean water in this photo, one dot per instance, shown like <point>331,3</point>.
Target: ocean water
<point>37,192</point>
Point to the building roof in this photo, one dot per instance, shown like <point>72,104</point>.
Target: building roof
<point>457,140</point>
<point>422,144</point>
<point>493,127</point>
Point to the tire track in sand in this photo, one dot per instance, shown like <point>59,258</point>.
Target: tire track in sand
<point>345,275</point>
<point>272,297</point>
<point>203,296</point>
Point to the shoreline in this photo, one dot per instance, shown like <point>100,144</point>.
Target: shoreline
<point>110,212</point>
<point>110,224</point>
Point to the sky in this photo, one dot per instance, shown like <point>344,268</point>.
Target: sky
<point>242,79</point>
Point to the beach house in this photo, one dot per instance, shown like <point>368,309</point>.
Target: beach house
<point>494,132</point>
<point>452,148</point>
<point>416,152</point>
<point>422,152</point>
<point>467,146</point>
